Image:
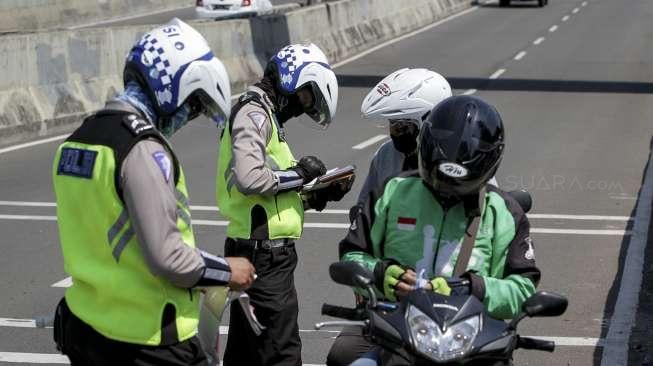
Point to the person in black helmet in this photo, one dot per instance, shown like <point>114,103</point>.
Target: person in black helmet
<point>413,233</point>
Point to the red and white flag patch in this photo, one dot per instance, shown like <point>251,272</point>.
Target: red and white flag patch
<point>406,223</point>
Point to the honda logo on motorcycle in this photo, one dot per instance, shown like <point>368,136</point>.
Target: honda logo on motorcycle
<point>453,170</point>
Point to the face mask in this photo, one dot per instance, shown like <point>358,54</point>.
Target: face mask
<point>405,143</point>
<point>290,108</point>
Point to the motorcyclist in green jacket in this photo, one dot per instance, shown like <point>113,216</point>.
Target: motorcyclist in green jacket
<point>414,229</point>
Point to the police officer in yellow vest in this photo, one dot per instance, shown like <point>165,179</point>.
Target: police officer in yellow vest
<point>123,214</point>
<point>258,181</point>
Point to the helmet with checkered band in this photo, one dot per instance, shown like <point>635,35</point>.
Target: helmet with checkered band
<point>176,67</point>
<point>299,66</point>
<point>406,94</point>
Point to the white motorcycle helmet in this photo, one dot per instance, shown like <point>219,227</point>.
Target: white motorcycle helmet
<point>176,67</point>
<point>304,65</point>
<point>406,94</point>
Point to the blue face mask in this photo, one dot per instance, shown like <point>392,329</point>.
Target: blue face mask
<point>136,97</point>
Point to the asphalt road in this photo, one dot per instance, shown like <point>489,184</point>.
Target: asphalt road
<point>572,82</point>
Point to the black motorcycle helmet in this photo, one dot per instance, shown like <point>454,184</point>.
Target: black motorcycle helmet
<point>460,145</point>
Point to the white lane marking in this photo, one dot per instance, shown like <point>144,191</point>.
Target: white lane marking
<point>28,204</point>
<point>497,74</point>
<point>66,282</point>
<point>329,225</point>
<point>538,41</point>
<point>553,28</point>
<point>33,143</point>
<point>575,11</point>
<point>17,323</point>
<point>344,212</point>
<point>20,357</point>
<point>28,217</point>
<point>623,197</point>
<point>579,232</point>
<point>623,318</point>
<point>401,38</point>
<point>579,217</point>
<point>584,3</point>
<point>565,18</point>
<point>574,341</point>
<point>224,330</point>
<point>520,55</point>
<point>369,142</point>
<point>469,91</point>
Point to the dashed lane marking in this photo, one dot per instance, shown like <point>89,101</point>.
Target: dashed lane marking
<point>575,11</point>
<point>520,55</point>
<point>553,28</point>
<point>565,18</point>
<point>369,142</point>
<point>469,91</point>
<point>497,74</point>
<point>538,41</point>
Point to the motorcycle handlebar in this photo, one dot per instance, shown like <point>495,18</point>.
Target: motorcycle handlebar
<point>535,344</point>
<point>342,312</point>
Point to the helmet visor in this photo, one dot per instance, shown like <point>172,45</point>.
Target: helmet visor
<point>319,109</point>
<point>201,103</point>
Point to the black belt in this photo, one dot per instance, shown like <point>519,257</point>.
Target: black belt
<point>266,244</point>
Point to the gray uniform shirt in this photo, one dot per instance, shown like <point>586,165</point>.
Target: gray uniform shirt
<point>251,131</point>
<point>149,194</point>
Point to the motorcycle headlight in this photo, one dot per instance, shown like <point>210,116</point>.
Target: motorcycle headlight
<point>441,345</point>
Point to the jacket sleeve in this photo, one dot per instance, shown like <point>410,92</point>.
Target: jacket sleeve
<point>366,234</point>
<point>147,181</point>
<point>513,273</point>
<point>250,133</point>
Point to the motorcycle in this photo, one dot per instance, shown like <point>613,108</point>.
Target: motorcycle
<point>426,328</point>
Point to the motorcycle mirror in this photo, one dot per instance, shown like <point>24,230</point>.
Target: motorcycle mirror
<point>350,274</point>
<point>544,303</point>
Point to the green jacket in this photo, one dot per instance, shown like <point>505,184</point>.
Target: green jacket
<point>408,226</point>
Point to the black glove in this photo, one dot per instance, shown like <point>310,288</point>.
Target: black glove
<point>317,200</point>
<point>339,189</point>
<point>309,168</point>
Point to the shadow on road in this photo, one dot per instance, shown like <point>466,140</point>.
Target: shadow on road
<point>542,85</point>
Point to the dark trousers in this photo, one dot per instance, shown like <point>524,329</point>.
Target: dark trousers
<point>85,346</point>
<point>274,299</point>
<point>349,345</point>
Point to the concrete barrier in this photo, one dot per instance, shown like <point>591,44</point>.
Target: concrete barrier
<point>51,80</point>
<point>31,15</point>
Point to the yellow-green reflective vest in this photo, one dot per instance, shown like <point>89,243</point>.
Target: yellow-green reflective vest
<point>284,211</point>
<point>113,289</point>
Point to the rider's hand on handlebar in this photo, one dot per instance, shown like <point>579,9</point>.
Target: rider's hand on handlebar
<point>439,285</point>
<point>398,281</point>
<point>242,273</point>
